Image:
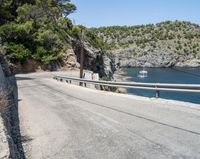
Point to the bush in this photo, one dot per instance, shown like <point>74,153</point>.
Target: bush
<point>104,78</point>
<point>48,39</point>
<point>46,55</point>
<point>49,46</point>
<point>16,32</point>
<point>17,52</point>
<point>76,31</point>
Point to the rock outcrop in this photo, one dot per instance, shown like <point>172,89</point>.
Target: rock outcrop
<point>94,59</point>
<point>68,61</point>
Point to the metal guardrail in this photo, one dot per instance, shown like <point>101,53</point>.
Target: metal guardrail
<point>137,85</point>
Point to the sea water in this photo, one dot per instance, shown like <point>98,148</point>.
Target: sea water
<point>166,75</point>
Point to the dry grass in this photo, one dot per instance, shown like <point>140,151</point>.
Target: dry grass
<point>3,101</point>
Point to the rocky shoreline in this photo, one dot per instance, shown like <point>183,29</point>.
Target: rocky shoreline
<point>124,59</point>
<point>115,62</point>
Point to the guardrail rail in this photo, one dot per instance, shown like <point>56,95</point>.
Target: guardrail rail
<point>157,87</point>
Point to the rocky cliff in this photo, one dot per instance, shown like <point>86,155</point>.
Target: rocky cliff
<point>158,58</point>
<point>94,59</point>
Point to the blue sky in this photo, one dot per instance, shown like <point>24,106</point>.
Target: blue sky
<point>94,13</point>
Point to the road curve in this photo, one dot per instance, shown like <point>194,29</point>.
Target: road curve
<point>62,121</point>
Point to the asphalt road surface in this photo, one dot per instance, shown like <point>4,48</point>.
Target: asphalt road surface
<point>62,121</point>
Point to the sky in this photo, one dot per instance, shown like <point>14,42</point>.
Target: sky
<point>96,13</point>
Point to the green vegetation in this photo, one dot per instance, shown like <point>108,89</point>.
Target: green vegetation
<point>112,89</point>
<point>41,30</point>
<point>104,78</point>
<point>36,29</point>
<point>96,41</point>
<point>177,36</point>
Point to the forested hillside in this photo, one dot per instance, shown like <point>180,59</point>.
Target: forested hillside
<point>180,39</point>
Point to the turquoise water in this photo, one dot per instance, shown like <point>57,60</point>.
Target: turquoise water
<point>166,75</point>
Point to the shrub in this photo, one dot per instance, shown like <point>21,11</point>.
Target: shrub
<point>169,47</point>
<point>76,31</point>
<point>47,55</point>
<point>16,32</point>
<point>17,52</point>
<point>48,39</point>
<point>104,78</point>
<point>49,46</point>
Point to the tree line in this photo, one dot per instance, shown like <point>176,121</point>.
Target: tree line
<point>38,29</point>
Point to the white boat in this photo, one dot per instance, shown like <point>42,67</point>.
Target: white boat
<point>142,74</point>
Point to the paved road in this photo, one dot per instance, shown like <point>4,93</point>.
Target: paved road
<point>61,121</point>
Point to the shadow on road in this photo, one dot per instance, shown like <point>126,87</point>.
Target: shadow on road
<point>18,139</point>
<point>23,78</point>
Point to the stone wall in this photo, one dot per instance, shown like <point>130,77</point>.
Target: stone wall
<point>4,144</point>
<point>8,148</point>
<point>2,78</point>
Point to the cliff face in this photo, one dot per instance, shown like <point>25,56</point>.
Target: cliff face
<point>159,58</point>
<point>94,59</point>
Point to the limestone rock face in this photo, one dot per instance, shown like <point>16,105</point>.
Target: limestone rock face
<point>2,77</point>
<point>95,60</point>
<point>189,63</point>
<point>109,66</point>
<point>158,58</point>
<point>69,59</point>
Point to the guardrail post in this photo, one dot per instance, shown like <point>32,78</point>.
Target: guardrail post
<point>157,94</point>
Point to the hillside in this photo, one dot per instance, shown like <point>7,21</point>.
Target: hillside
<point>155,45</point>
<point>37,35</point>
